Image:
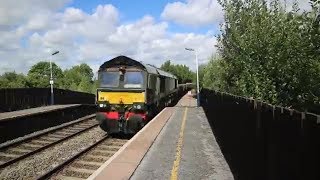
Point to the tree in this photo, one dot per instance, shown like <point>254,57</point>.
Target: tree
<point>167,66</point>
<point>39,75</point>
<point>214,75</point>
<point>202,70</point>
<point>182,72</point>
<point>269,53</point>
<point>95,86</point>
<point>12,80</point>
<point>85,85</point>
<point>79,78</point>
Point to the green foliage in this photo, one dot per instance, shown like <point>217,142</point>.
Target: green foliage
<point>85,84</point>
<point>202,68</point>
<point>214,75</point>
<point>12,80</point>
<point>268,53</point>
<point>79,78</point>
<point>183,73</point>
<point>39,75</point>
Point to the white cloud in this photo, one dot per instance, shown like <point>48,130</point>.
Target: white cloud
<point>150,42</point>
<point>193,12</point>
<point>30,30</point>
<point>73,15</point>
<point>198,13</point>
<point>303,4</point>
<point>93,38</point>
<point>14,12</point>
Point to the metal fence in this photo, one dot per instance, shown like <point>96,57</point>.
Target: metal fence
<point>261,141</point>
<point>23,98</point>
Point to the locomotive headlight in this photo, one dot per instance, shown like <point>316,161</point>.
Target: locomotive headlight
<point>104,104</point>
<point>138,106</point>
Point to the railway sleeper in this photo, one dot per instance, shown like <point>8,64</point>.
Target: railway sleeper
<point>62,177</point>
<point>85,165</point>
<point>79,172</point>
<point>77,128</point>
<point>17,151</point>
<point>31,146</point>
<point>63,133</point>
<point>8,155</point>
<point>102,153</point>
<point>42,142</point>
<point>5,159</point>
<point>106,150</point>
<point>92,158</point>
<point>111,147</point>
<point>2,162</point>
<point>71,131</point>
<point>83,126</point>
<point>88,124</point>
<point>89,162</point>
<point>50,138</point>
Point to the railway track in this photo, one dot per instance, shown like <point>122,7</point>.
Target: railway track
<point>87,161</point>
<point>16,151</point>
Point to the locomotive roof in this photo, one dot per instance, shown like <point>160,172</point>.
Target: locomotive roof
<point>124,60</point>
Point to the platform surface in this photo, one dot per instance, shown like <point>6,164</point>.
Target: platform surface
<point>177,144</point>
<point>31,111</point>
<point>200,155</point>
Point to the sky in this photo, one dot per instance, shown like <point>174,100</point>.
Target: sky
<point>94,31</point>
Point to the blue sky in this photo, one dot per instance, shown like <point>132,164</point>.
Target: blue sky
<point>132,11</point>
<point>91,31</point>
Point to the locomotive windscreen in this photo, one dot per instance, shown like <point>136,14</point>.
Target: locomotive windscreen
<point>109,79</point>
<point>133,80</point>
<point>113,79</point>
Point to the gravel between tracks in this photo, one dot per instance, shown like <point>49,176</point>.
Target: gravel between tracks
<point>43,131</point>
<point>34,166</point>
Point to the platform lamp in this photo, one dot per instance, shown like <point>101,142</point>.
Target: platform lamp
<point>197,69</point>
<point>51,78</point>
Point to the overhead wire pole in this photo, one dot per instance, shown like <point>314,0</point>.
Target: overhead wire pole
<point>51,78</point>
<point>197,71</point>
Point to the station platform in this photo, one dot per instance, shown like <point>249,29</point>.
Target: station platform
<point>17,124</point>
<point>32,111</point>
<point>177,144</point>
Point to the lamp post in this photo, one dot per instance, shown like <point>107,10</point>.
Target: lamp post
<point>51,78</point>
<point>197,69</point>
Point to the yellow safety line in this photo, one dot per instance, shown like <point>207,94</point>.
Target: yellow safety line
<point>175,167</point>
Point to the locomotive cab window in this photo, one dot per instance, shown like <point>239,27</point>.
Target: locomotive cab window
<point>109,79</point>
<point>133,79</point>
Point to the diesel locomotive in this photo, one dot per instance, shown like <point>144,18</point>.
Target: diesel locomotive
<point>130,93</point>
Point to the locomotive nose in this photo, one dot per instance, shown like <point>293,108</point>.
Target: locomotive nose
<point>106,124</point>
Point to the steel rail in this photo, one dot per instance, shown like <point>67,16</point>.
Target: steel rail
<point>46,132</point>
<point>63,164</point>
<point>23,156</point>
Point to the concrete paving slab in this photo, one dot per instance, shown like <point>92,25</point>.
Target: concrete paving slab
<point>32,111</point>
<point>157,163</point>
<point>184,149</point>
<point>201,157</point>
<point>123,163</point>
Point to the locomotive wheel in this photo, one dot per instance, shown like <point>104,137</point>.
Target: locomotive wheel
<point>134,124</point>
<point>104,126</point>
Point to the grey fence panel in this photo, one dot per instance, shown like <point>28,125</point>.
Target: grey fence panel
<point>24,98</point>
<point>261,141</point>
